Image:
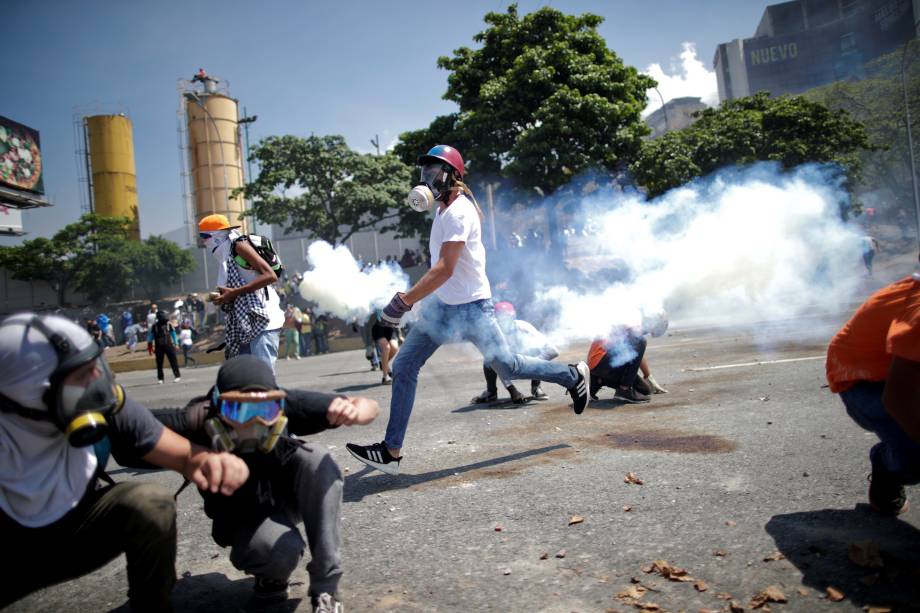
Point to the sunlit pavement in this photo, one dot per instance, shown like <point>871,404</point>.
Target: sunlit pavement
<point>753,476</point>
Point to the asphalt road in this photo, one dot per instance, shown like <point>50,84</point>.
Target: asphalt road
<point>748,458</point>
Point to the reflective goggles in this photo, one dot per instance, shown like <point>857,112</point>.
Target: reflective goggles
<point>241,407</point>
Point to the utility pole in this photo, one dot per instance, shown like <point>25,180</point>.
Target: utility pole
<point>376,142</point>
<point>245,121</point>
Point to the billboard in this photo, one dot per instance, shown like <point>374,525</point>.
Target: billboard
<point>20,157</point>
<point>10,220</point>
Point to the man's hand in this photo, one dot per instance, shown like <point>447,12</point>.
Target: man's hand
<point>394,311</point>
<point>213,472</point>
<point>352,411</point>
<point>657,389</point>
<point>227,295</point>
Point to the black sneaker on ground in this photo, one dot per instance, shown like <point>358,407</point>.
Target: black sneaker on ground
<point>537,392</point>
<point>595,387</point>
<point>642,386</point>
<point>579,391</point>
<point>630,395</point>
<point>326,603</point>
<point>376,456</point>
<point>886,495</point>
<point>485,397</point>
<point>266,589</point>
<point>516,396</point>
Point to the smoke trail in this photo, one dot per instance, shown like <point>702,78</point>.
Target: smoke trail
<point>737,247</point>
<point>340,288</point>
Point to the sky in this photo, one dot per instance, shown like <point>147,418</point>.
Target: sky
<point>359,69</point>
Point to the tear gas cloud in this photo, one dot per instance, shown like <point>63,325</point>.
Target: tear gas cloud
<point>338,286</point>
<point>737,247</point>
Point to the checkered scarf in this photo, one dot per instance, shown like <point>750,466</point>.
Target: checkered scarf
<point>247,316</point>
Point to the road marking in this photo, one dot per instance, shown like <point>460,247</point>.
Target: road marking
<point>813,357</point>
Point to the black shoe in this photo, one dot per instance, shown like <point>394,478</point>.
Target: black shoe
<point>326,603</point>
<point>376,456</point>
<point>642,386</point>
<point>595,387</point>
<point>630,395</point>
<point>537,392</point>
<point>886,495</point>
<point>266,589</point>
<point>516,396</point>
<point>579,391</point>
<point>485,397</point>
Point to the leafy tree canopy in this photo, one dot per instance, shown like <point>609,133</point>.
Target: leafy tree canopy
<point>791,130</point>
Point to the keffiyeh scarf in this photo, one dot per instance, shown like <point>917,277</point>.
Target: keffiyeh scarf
<point>247,316</point>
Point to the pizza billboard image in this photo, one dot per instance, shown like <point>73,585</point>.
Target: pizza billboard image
<point>20,157</point>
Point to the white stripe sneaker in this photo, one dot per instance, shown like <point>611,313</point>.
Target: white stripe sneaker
<point>579,391</point>
<point>376,456</point>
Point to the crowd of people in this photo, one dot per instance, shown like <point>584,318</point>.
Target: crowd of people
<point>63,414</point>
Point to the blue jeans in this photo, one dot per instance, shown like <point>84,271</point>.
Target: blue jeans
<point>897,454</point>
<point>264,347</point>
<point>443,323</point>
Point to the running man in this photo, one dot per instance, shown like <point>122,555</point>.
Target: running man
<point>461,308</point>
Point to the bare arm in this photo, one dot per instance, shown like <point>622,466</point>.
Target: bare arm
<point>223,472</point>
<point>438,275</point>
<point>902,395</point>
<point>266,276</point>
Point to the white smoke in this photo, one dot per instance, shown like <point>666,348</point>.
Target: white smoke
<point>741,246</point>
<point>689,78</point>
<point>339,287</point>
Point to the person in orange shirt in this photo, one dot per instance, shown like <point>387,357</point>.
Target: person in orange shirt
<point>615,361</point>
<point>873,362</point>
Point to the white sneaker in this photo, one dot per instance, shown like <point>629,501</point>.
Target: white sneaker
<point>176,380</point>
<point>159,381</point>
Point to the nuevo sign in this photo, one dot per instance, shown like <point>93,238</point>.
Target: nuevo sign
<point>774,53</point>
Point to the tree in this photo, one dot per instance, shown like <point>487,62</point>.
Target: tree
<point>791,130</point>
<point>320,185</point>
<point>158,263</point>
<point>541,101</point>
<point>61,260</point>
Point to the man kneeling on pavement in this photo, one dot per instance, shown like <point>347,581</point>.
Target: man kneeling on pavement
<point>615,361</point>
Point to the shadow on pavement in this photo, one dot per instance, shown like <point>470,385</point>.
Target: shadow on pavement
<point>357,387</point>
<point>818,544</point>
<point>357,486</point>
<point>499,405</point>
<point>215,592</point>
<point>350,372</point>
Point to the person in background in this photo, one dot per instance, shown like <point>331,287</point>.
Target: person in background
<point>291,335</point>
<point>321,334</point>
<point>105,325</point>
<point>291,481</point>
<point>187,342</point>
<point>873,363</point>
<point>62,416</point>
<point>132,333</point>
<point>151,315</point>
<point>127,319</point>
<point>163,338</point>
<point>387,343</point>
<point>305,330</point>
<point>869,249</point>
<point>616,360</point>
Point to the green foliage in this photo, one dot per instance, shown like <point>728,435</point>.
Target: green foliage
<point>790,130</point>
<point>319,185</point>
<point>541,100</point>
<point>158,263</point>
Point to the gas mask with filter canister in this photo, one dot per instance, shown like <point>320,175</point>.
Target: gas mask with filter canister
<point>82,405</point>
<point>246,420</point>
<point>434,185</point>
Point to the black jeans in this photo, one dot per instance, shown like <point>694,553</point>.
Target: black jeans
<point>137,519</point>
<point>170,353</point>
<point>622,375</point>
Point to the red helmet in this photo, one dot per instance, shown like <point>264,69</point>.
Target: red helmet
<point>505,308</point>
<point>446,154</point>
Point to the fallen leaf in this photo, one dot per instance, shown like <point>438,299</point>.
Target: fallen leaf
<point>647,606</point>
<point>877,609</point>
<point>833,594</point>
<point>708,611</point>
<point>647,568</point>
<point>627,508</point>
<point>869,580</point>
<point>774,556</point>
<point>215,556</point>
<point>632,478</point>
<point>544,556</point>
<point>499,528</point>
<point>723,596</point>
<point>633,591</point>
<point>701,586</point>
<point>865,554</point>
<point>720,553</point>
<point>803,592</point>
<point>731,523</point>
<point>669,572</point>
<point>635,580</point>
<point>507,571</point>
<point>770,594</point>
<point>576,519</point>
<point>734,607</point>
<point>560,553</point>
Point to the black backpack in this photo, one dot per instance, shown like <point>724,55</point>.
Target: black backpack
<point>161,332</point>
<point>264,247</point>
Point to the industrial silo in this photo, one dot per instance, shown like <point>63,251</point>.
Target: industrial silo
<point>214,153</point>
<point>111,164</point>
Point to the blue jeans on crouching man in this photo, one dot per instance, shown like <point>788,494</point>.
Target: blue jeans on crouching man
<point>896,454</point>
<point>444,323</point>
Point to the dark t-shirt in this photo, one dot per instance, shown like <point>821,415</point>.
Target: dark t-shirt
<point>135,432</point>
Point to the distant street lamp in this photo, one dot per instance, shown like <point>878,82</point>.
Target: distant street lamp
<point>910,140</point>
<point>664,111</point>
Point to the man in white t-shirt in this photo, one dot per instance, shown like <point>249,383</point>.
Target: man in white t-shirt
<point>461,308</point>
<point>254,315</point>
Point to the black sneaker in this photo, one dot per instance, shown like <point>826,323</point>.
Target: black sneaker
<point>630,395</point>
<point>595,387</point>
<point>579,391</point>
<point>485,397</point>
<point>266,589</point>
<point>376,456</point>
<point>642,386</point>
<point>537,392</point>
<point>886,495</point>
<point>326,603</point>
<point>516,396</point>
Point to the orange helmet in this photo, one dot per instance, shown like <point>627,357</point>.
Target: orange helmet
<point>213,223</point>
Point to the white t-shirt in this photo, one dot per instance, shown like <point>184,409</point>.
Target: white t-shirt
<point>151,318</point>
<point>460,222</point>
<point>185,336</point>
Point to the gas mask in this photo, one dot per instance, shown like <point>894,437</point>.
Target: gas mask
<point>434,185</point>
<point>81,412</point>
<point>247,420</point>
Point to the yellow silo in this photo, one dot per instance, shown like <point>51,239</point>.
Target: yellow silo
<point>111,154</point>
<point>215,155</point>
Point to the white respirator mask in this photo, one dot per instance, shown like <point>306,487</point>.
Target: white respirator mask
<point>421,198</point>
<point>434,183</point>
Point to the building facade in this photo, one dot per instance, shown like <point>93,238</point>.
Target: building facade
<point>676,114</point>
<point>803,44</point>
